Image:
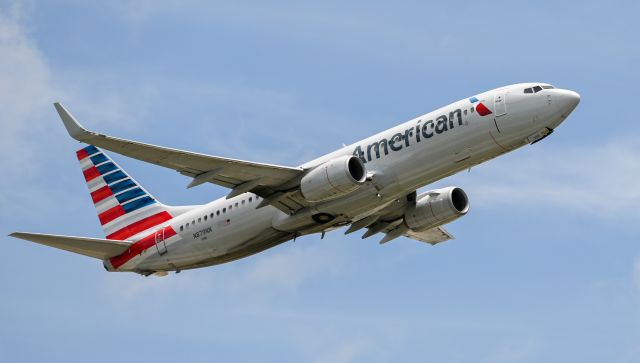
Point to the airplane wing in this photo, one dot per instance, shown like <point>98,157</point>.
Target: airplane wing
<point>92,247</point>
<point>272,182</point>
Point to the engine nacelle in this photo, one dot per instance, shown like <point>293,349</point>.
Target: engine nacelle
<point>436,207</point>
<point>334,178</point>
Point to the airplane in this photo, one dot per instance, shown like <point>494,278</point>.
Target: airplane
<point>370,185</point>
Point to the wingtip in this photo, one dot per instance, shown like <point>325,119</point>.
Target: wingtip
<point>60,108</point>
<point>73,127</point>
<point>19,235</point>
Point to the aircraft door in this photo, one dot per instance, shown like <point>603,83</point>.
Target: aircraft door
<point>161,245</point>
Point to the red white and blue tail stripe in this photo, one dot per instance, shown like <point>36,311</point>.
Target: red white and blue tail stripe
<point>124,208</point>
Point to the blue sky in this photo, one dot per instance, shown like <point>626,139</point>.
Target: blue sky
<point>545,267</point>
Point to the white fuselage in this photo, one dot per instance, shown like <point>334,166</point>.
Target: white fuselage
<point>398,161</point>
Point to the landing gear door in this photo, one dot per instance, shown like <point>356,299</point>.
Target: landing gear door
<point>500,103</point>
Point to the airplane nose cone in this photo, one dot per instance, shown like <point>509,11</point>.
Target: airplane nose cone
<point>561,103</point>
<point>568,99</point>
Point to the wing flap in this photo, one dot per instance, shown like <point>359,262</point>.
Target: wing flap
<point>432,236</point>
<point>92,247</point>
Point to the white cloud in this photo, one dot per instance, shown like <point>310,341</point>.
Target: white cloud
<point>280,273</point>
<point>25,95</point>
<point>28,120</point>
<point>123,108</point>
<point>386,31</point>
<point>126,289</point>
<point>598,180</point>
<point>287,269</point>
<point>25,83</point>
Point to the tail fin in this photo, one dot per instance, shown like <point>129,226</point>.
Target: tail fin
<point>124,208</point>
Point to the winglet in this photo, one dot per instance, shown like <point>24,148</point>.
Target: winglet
<point>73,127</point>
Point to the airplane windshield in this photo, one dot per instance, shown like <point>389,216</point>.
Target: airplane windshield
<point>537,89</point>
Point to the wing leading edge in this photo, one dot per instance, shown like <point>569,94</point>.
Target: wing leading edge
<point>242,176</point>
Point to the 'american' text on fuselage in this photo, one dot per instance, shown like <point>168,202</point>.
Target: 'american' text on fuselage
<point>421,131</point>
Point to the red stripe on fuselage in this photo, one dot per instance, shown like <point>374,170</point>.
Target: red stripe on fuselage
<point>101,193</point>
<point>111,214</point>
<point>82,153</point>
<point>140,226</point>
<point>90,173</point>
<point>138,247</point>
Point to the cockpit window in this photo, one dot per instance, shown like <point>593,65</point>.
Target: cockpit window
<point>536,89</point>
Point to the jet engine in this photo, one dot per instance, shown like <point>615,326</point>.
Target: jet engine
<point>334,178</point>
<point>435,208</point>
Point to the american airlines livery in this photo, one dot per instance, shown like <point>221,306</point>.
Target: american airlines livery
<point>369,185</point>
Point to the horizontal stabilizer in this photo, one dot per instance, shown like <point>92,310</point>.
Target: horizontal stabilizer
<point>92,247</point>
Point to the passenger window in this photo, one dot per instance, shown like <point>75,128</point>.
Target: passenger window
<point>211,216</point>
<point>537,89</point>
<point>181,228</point>
<point>528,90</point>
<point>465,112</point>
<point>193,222</point>
<point>217,212</point>
<point>250,199</point>
<point>205,217</point>
<point>236,204</point>
<point>230,207</point>
<point>224,210</point>
<point>199,220</point>
<point>473,109</point>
